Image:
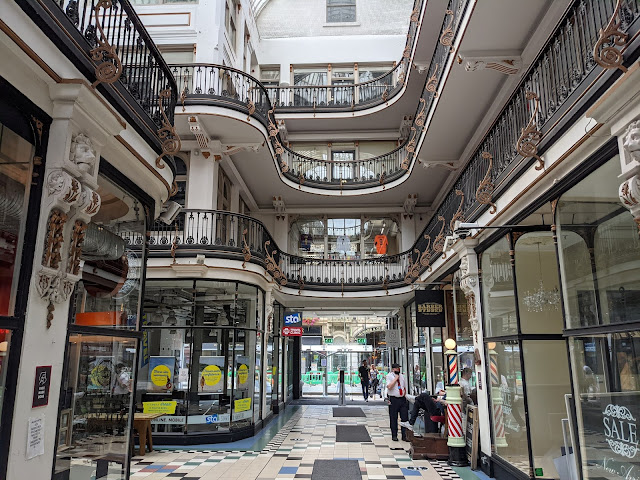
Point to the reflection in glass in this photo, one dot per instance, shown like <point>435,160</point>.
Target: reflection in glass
<point>15,180</point>
<point>499,307</point>
<point>96,401</point>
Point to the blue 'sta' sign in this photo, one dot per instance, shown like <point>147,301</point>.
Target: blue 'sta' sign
<point>292,320</point>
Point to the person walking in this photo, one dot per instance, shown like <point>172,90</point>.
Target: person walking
<point>397,391</point>
<point>363,373</point>
<point>374,382</point>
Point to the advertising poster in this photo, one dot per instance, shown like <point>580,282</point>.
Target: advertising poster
<point>243,372</point>
<point>610,447</point>
<point>211,374</point>
<point>100,372</point>
<point>161,370</point>
<point>242,405</point>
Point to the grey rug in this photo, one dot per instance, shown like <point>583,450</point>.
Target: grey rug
<point>348,412</point>
<point>336,470</point>
<point>352,433</point>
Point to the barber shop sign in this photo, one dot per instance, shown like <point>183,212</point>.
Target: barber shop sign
<point>611,435</point>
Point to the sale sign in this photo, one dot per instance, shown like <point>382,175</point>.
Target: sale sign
<point>291,331</point>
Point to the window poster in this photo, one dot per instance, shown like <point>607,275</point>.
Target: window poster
<point>609,435</point>
<point>243,372</point>
<point>211,374</point>
<point>161,371</point>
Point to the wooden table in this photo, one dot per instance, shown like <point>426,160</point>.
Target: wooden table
<point>142,424</point>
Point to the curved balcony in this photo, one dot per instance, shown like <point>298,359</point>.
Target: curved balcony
<point>134,78</point>
<point>216,85</point>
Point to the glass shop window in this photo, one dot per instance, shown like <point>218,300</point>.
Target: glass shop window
<point>94,434</point>
<point>111,265</point>
<point>499,305</point>
<point>15,180</point>
<point>599,251</point>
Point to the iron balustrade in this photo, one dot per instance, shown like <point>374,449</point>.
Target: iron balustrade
<point>199,83</point>
<point>225,233</point>
<point>556,78</point>
<point>351,96</point>
<point>144,72</point>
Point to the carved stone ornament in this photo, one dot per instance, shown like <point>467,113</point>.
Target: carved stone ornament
<point>469,285</point>
<point>505,65</point>
<point>82,153</point>
<point>53,286</point>
<point>631,142</point>
<point>51,256</point>
<point>90,201</point>
<point>75,249</point>
<point>63,187</point>
<point>629,193</point>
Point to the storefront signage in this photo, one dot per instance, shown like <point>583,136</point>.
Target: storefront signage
<point>242,405</point>
<point>291,331</point>
<point>41,386</point>
<point>430,308</point>
<point>293,320</point>
<point>208,419</point>
<point>611,434</point>
<point>172,420</point>
<point>167,407</point>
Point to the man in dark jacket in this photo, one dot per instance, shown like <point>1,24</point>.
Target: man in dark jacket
<point>363,373</point>
<point>430,406</point>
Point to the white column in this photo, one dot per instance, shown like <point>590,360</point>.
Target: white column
<point>281,233</point>
<point>408,232</point>
<point>470,284</point>
<point>70,190</point>
<point>203,181</point>
<point>235,198</point>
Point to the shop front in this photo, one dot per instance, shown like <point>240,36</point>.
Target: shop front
<point>202,358</point>
<point>96,408</point>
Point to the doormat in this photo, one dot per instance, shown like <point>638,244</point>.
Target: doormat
<point>348,412</point>
<point>336,470</point>
<point>352,433</point>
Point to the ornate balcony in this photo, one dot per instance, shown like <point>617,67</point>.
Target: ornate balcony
<point>108,43</point>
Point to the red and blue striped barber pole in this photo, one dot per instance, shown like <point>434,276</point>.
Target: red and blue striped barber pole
<point>453,370</point>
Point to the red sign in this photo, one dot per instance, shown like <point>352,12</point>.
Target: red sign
<point>292,331</point>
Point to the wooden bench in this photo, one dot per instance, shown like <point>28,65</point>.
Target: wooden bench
<point>430,445</point>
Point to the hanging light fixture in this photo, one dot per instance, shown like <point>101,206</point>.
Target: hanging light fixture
<point>541,300</point>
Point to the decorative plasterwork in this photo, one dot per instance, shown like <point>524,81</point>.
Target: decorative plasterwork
<point>198,130</point>
<point>110,68</point>
<point>279,207</point>
<point>506,64</point>
<point>168,135</point>
<point>527,144</point>
<point>484,193</point>
<point>470,285</point>
<point>409,205</point>
<point>605,51</point>
<point>631,143</point>
<point>75,248</point>
<point>630,196</point>
<point>51,256</point>
<point>82,153</point>
<point>446,38</point>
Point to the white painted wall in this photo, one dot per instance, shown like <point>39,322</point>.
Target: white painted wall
<point>307,18</point>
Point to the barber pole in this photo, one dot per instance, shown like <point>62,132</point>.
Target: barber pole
<point>496,401</point>
<point>453,370</point>
<point>454,416</point>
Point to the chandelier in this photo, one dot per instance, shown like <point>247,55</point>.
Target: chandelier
<point>540,299</point>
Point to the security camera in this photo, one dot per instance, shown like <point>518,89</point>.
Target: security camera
<point>170,211</point>
<point>463,230</point>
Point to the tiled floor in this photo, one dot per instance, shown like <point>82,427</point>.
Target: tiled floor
<point>309,435</point>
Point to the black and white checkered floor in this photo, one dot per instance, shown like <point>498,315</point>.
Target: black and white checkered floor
<point>309,435</point>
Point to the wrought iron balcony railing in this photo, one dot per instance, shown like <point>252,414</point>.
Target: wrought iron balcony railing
<point>223,86</point>
<point>107,41</point>
<point>355,96</point>
<point>229,235</point>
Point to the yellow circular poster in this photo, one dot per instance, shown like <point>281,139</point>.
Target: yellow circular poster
<point>161,375</point>
<point>243,374</point>
<point>212,375</point>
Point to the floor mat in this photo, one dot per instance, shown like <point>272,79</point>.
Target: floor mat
<point>352,433</point>
<point>336,470</point>
<point>348,412</point>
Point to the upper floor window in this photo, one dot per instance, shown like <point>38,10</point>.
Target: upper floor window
<point>230,24</point>
<point>341,11</point>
